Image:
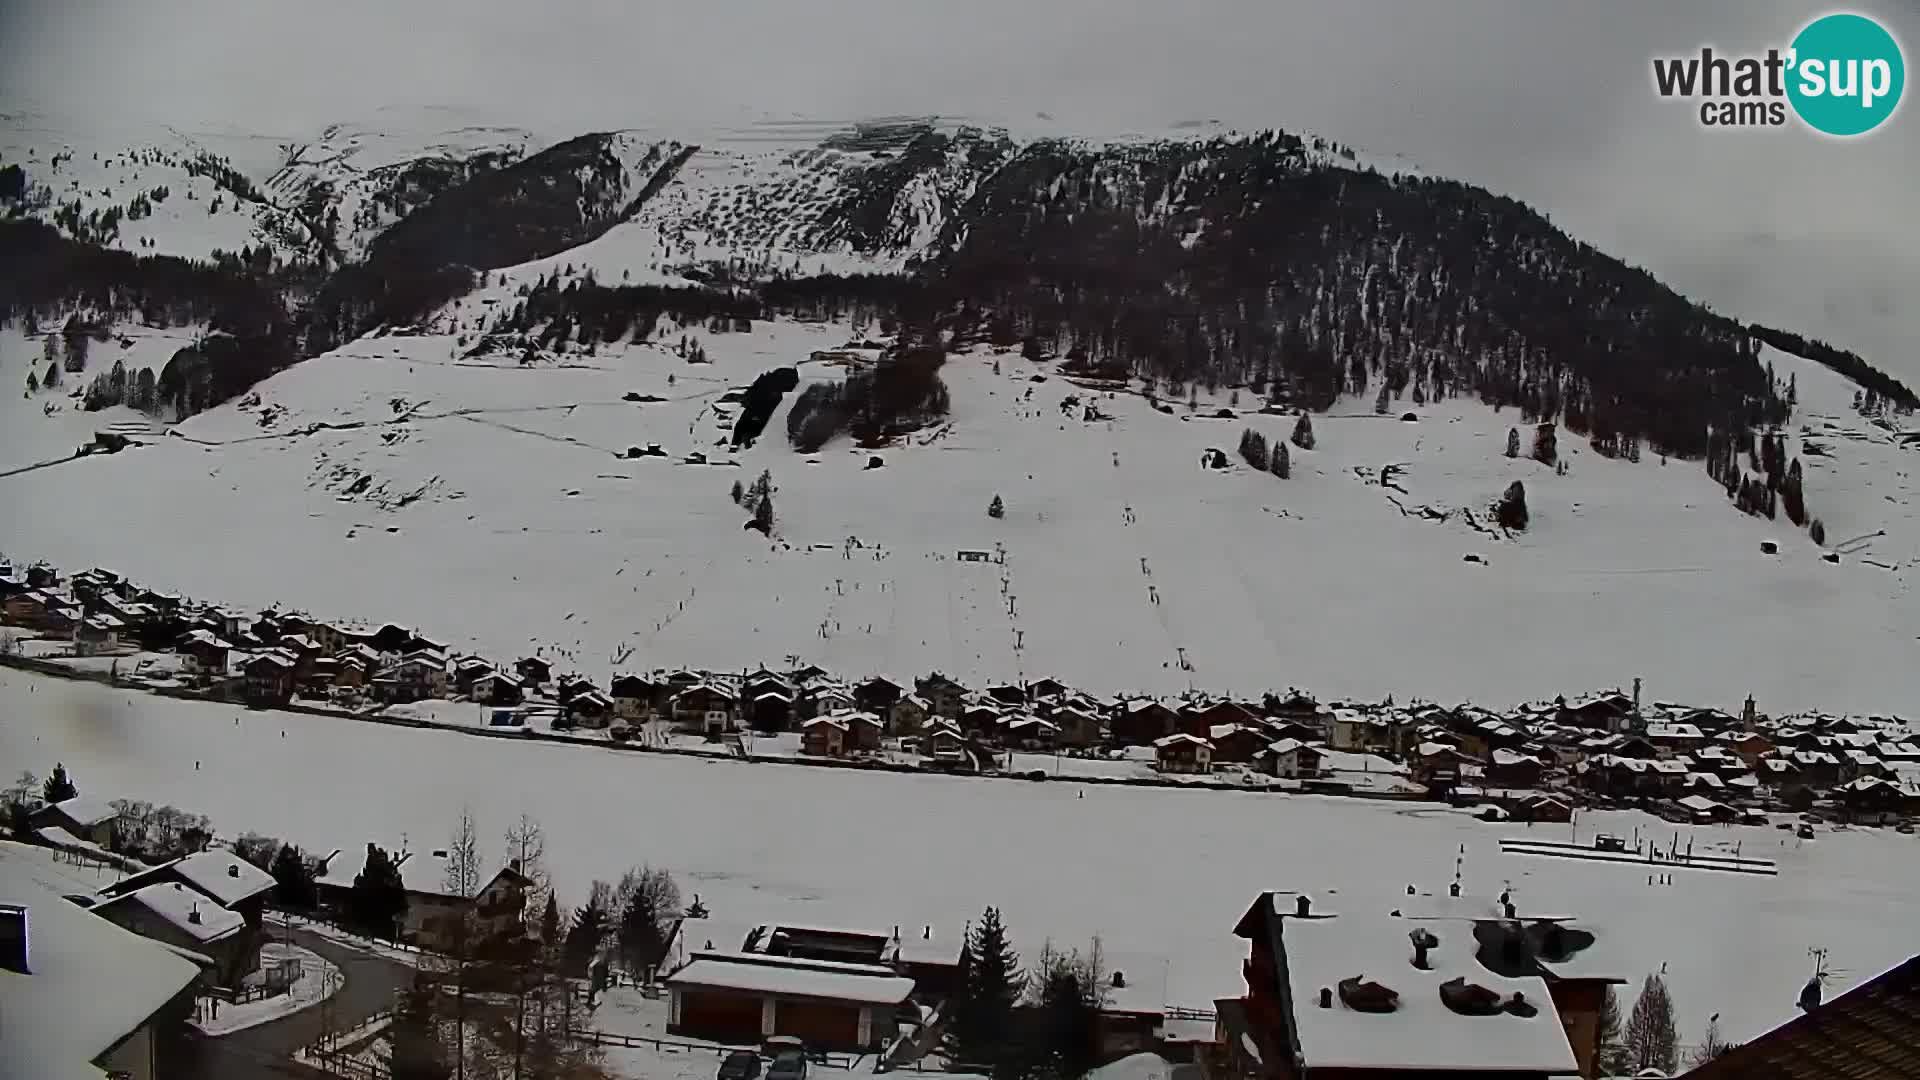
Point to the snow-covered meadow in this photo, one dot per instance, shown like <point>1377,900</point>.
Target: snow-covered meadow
<point>1160,874</point>
<point>490,505</point>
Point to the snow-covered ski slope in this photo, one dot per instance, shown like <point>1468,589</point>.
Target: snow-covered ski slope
<point>1160,875</point>
<point>489,504</point>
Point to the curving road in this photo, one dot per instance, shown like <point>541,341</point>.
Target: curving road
<point>265,1052</point>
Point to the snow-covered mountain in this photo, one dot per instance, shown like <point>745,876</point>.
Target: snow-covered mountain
<point>463,334</point>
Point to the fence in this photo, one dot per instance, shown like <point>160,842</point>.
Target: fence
<point>609,1038</point>
<point>340,1063</point>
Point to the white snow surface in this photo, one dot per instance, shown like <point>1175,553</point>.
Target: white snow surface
<point>495,512</point>
<point>91,984</point>
<point>769,975</point>
<point>1155,872</point>
<point>185,908</point>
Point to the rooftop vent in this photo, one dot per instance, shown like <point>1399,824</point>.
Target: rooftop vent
<point>1326,997</point>
<point>1469,999</point>
<point>1362,995</point>
<point>13,939</point>
<point>193,915</point>
<point>233,870</point>
<point>1302,905</point>
<point>1119,980</point>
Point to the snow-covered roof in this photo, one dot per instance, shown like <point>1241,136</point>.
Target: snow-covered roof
<point>189,911</point>
<point>91,983</point>
<point>1513,757</point>
<point>1674,731</point>
<point>787,977</point>
<point>1699,804</point>
<point>1288,746</point>
<point>1179,738</point>
<point>222,875</point>
<point>826,722</point>
<point>1422,1032</point>
<point>86,812</point>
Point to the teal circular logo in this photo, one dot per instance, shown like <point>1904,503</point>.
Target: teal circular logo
<point>1847,74</point>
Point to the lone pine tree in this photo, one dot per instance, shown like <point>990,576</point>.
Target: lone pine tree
<point>1512,508</point>
<point>1282,464</point>
<point>1652,1038</point>
<point>996,509</point>
<point>1303,432</point>
<point>1513,442</point>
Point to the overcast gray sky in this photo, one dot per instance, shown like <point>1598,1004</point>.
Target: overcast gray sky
<point>1547,100</point>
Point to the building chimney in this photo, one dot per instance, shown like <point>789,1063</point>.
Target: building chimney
<point>1453,889</point>
<point>1508,908</point>
<point>1326,997</point>
<point>513,865</point>
<point>1119,980</point>
<point>193,915</point>
<point>233,870</point>
<point>896,931</point>
<point>1302,905</point>
<point>1423,943</point>
<point>1409,890</point>
<point>14,954</point>
<point>926,932</point>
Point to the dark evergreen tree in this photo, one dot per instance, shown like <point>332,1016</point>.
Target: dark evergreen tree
<point>981,1012</point>
<point>59,786</point>
<point>550,923</point>
<point>1817,531</point>
<point>583,937</point>
<point>33,383</point>
<point>1792,494</point>
<point>1652,1037</point>
<point>738,493</point>
<point>763,514</point>
<point>643,941</point>
<point>1303,432</point>
<point>1513,442</point>
<point>1512,509</point>
<point>1382,403</point>
<point>1281,464</point>
<point>1546,444</point>
<point>293,879</point>
<point>378,898</point>
<point>996,509</point>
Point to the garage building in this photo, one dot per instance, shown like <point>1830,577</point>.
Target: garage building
<point>746,997</point>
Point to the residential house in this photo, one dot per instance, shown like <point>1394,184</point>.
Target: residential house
<point>941,741</point>
<point>416,677</point>
<point>467,670</point>
<point>633,697</point>
<point>268,678</point>
<point>908,715</point>
<point>863,732</point>
<point>173,914</point>
<point>1437,765</point>
<point>705,707</point>
<point>1042,689</point>
<point>222,880</point>
<point>1029,732</point>
<point>1674,739</point>
<point>1513,769</point>
<point>1605,712</point>
<point>79,995</point>
<point>498,688</point>
<point>1291,759</point>
<point>750,997</point>
<point>1873,800</point>
<point>590,709</point>
<point>824,699</point>
<point>945,696</point>
<point>1237,743</point>
<point>878,694</point>
<point>1199,719</point>
<point>1009,694</point>
<point>533,670</point>
<point>40,611</point>
<point>980,719</point>
<point>1143,722</point>
<point>1183,753</point>
<point>1078,728</point>
<point>90,820</point>
<point>1707,811</point>
<point>97,634</point>
<point>824,736</point>
<point>1357,996</point>
<point>205,652</point>
<point>1749,746</point>
<point>433,910</point>
<point>770,710</point>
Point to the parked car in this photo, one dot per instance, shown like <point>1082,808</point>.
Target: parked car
<point>775,1045</point>
<point>789,1065</point>
<point>740,1065</point>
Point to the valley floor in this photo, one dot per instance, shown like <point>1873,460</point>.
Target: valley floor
<point>1160,875</point>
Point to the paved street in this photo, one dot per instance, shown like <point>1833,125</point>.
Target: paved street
<point>264,1052</point>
